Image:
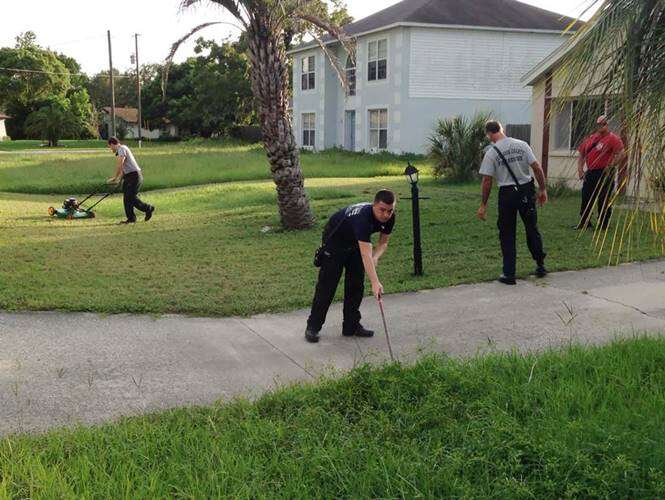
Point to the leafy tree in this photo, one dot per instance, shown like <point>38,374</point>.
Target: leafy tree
<point>41,75</point>
<point>618,56</point>
<point>269,25</point>
<point>457,147</point>
<point>53,121</point>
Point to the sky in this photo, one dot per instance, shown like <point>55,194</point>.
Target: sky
<point>78,27</point>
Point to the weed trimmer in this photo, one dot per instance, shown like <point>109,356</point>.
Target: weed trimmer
<point>385,329</point>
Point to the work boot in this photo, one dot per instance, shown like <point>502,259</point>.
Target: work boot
<point>359,331</point>
<point>148,214</point>
<point>541,272</point>
<point>126,222</point>
<point>311,335</point>
<point>507,280</point>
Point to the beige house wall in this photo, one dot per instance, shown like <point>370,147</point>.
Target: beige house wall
<point>3,131</point>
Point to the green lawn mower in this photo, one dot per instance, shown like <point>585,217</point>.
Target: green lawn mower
<point>73,209</point>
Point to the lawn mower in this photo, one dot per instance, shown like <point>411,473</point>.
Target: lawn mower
<point>73,209</point>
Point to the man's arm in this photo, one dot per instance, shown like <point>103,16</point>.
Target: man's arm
<point>580,166</point>
<point>380,248</point>
<point>118,169</point>
<point>370,268</point>
<point>486,188</point>
<point>540,177</point>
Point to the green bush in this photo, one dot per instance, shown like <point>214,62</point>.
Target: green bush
<point>457,145</point>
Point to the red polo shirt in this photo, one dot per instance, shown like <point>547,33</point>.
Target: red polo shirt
<point>600,151</point>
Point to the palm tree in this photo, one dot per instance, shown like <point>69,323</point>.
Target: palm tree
<point>52,121</point>
<point>621,50</point>
<point>268,26</point>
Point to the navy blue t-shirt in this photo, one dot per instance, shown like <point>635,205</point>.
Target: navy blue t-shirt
<point>359,225</point>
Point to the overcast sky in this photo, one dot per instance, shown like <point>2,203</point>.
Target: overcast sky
<point>78,27</point>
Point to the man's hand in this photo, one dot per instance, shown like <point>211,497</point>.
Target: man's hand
<point>542,197</point>
<point>580,174</point>
<point>377,290</point>
<point>112,180</point>
<point>482,212</point>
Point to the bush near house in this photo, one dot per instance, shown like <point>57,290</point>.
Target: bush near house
<point>456,147</point>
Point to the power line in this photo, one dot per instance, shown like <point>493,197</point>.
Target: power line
<point>18,70</point>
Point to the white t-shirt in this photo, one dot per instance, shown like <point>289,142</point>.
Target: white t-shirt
<point>129,165</point>
<point>519,156</point>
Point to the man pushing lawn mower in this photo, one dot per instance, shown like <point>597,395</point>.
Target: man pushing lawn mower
<point>129,171</point>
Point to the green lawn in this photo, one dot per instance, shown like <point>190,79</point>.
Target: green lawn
<point>205,253</point>
<point>575,423</point>
<point>23,145</point>
<point>178,165</point>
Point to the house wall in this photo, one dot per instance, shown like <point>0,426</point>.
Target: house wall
<point>433,73</point>
<point>3,131</point>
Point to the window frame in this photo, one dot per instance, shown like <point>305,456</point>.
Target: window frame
<point>310,130</point>
<point>377,60</point>
<point>351,76</point>
<point>308,78</point>
<point>371,130</point>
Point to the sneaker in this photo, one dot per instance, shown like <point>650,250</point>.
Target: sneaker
<point>581,226</point>
<point>541,272</point>
<point>148,214</point>
<point>507,280</point>
<point>360,331</point>
<point>126,222</point>
<point>311,335</point>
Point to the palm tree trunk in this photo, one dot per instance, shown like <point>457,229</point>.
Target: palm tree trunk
<point>269,78</point>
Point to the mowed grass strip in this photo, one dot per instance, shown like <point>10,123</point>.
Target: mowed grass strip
<point>178,165</point>
<point>574,423</point>
<point>217,250</point>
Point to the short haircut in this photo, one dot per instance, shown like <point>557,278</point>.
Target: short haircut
<point>386,196</point>
<point>114,140</point>
<point>493,127</point>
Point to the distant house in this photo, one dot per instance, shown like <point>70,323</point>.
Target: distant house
<point>129,119</point>
<point>3,129</point>
<point>418,61</point>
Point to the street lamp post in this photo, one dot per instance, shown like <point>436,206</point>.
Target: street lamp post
<point>411,173</point>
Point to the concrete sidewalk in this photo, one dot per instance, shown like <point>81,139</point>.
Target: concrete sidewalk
<point>61,369</point>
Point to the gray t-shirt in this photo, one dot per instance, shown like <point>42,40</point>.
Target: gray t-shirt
<point>130,165</point>
<point>519,156</point>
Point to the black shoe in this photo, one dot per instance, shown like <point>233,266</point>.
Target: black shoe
<point>126,222</point>
<point>581,226</point>
<point>507,280</point>
<point>541,272</point>
<point>360,331</point>
<point>311,335</point>
<point>148,214</point>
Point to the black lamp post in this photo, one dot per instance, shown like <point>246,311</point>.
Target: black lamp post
<point>411,173</point>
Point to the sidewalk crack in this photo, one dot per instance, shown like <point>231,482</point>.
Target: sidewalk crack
<point>285,354</point>
<point>617,302</point>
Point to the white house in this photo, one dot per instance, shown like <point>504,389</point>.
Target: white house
<point>129,118</point>
<point>418,61</point>
<point>3,129</point>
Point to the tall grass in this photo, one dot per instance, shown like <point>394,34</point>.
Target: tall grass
<point>575,423</point>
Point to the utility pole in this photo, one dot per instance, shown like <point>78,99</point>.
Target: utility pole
<point>138,85</point>
<point>112,87</point>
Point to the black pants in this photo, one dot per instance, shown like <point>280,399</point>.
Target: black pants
<point>350,261</point>
<point>598,189</point>
<point>510,204</point>
<point>131,183</point>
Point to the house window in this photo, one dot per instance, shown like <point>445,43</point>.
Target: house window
<point>308,130</point>
<point>575,121</point>
<point>308,73</point>
<point>378,129</point>
<point>377,57</point>
<point>351,75</point>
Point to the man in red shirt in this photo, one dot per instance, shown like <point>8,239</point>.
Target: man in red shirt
<point>599,152</point>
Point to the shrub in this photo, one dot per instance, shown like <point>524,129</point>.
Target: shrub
<point>457,147</point>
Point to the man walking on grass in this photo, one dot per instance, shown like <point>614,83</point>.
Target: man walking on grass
<point>347,246</point>
<point>129,171</point>
<point>599,152</point>
<point>508,161</point>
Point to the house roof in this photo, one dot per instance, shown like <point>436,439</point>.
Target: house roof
<point>491,14</point>
<point>130,115</point>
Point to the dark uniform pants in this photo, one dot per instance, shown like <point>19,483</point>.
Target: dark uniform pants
<point>350,261</point>
<point>598,189</point>
<point>510,204</point>
<point>131,183</point>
